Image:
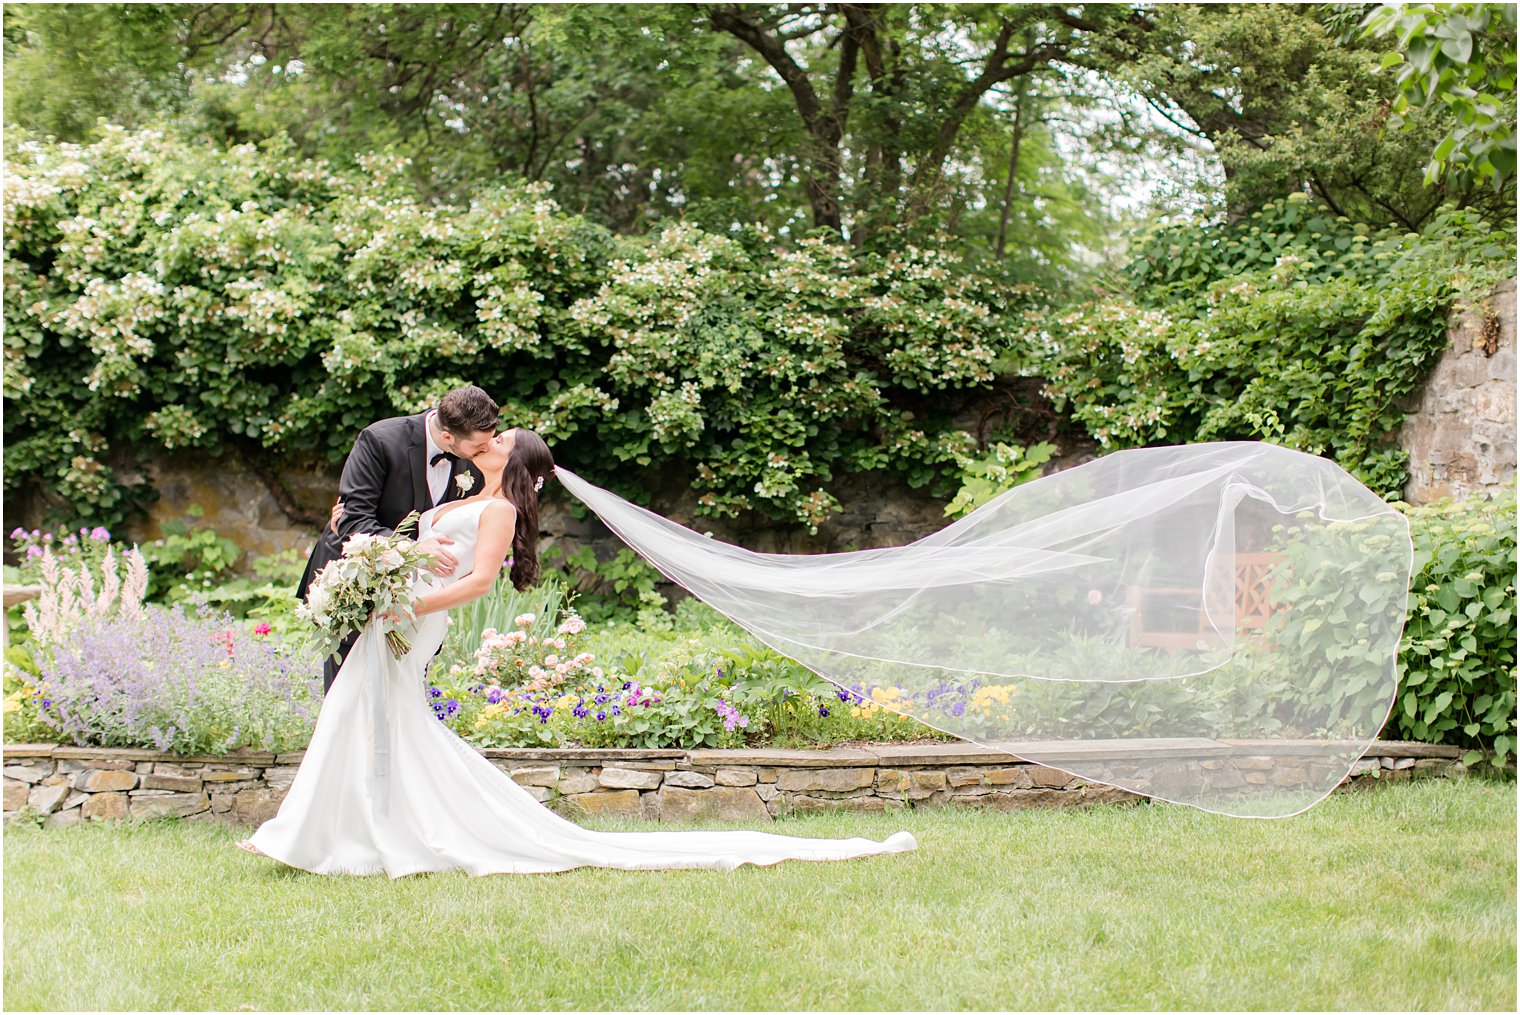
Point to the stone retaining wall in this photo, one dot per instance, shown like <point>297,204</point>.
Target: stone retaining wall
<point>1460,434</point>
<point>67,785</point>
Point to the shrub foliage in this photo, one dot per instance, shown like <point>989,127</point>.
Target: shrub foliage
<point>165,295</point>
<point>1293,325</point>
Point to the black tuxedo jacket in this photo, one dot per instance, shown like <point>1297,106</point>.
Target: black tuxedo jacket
<point>384,479</point>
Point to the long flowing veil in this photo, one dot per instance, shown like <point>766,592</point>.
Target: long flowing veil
<point>1215,624</point>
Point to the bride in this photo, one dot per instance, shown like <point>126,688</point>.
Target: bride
<point>385,787</point>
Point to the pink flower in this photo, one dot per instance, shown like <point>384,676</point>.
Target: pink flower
<point>262,629</point>
<point>1094,597</point>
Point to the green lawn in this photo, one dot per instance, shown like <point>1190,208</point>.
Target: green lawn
<point>1402,897</point>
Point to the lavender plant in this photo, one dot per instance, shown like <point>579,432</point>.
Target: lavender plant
<point>178,681</point>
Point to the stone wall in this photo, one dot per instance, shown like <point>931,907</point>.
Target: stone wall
<point>1461,435</point>
<point>67,785</point>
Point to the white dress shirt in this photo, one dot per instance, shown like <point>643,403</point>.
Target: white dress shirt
<point>437,475</point>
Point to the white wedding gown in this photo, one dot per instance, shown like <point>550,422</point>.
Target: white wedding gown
<point>385,787</point>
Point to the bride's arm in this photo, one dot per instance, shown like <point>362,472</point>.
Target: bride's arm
<point>497,524</point>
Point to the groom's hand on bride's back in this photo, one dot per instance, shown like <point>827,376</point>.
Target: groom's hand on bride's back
<point>444,562</point>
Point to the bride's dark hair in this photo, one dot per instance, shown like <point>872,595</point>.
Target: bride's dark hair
<point>527,465</point>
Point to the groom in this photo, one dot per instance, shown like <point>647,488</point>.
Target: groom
<point>400,465</point>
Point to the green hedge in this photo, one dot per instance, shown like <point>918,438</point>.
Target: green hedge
<point>1458,655</point>
<point>1292,325</point>
<point>161,295</point>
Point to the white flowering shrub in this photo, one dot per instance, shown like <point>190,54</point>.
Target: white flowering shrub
<point>164,295</point>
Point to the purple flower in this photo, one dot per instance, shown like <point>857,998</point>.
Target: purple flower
<point>601,715</point>
<point>162,680</point>
<point>100,534</point>
<point>731,716</point>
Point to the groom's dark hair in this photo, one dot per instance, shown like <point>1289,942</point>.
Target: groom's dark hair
<point>468,410</point>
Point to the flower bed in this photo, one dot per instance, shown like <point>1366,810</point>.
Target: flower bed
<point>524,670</point>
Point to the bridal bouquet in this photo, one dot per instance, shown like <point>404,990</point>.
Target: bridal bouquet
<point>372,576</point>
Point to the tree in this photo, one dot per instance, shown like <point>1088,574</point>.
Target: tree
<point>877,149</point>
<point>1291,100</point>
<point>614,105</point>
<point>1461,56</point>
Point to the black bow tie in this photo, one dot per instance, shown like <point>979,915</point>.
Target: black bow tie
<point>440,456</point>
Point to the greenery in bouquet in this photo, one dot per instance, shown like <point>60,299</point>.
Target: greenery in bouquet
<point>373,576</point>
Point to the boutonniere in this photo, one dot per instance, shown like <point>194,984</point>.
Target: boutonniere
<point>464,481</point>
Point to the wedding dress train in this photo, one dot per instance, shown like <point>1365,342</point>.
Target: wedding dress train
<point>384,787</point>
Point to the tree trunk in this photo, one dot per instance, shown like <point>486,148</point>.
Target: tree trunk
<point>1013,172</point>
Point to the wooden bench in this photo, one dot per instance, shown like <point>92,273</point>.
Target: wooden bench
<point>1253,607</point>
<point>14,596</point>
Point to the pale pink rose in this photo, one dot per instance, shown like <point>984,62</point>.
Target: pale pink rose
<point>1094,597</point>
